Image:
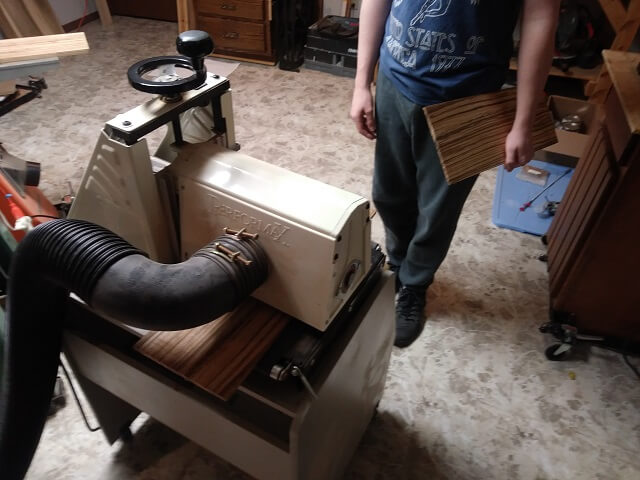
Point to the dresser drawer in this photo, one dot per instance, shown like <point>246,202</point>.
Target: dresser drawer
<point>248,9</point>
<point>236,36</point>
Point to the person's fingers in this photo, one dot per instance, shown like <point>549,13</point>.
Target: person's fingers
<point>370,122</point>
<point>358,121</point>
<point>510,161</point>
<point>370,135</point>
<point>362,126</point>
<point>364,129</point>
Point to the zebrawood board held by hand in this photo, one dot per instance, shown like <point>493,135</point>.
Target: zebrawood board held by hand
<point>470,133</point>
<point>219,355</point>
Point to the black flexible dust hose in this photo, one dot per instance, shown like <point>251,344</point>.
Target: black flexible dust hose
<point>117,281</point>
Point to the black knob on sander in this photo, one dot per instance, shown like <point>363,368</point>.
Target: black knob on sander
<point>196,45</point>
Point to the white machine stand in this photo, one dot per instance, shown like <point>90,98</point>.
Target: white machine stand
<point>271,430</point>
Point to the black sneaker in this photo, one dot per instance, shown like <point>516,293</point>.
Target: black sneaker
<point>410,306</point>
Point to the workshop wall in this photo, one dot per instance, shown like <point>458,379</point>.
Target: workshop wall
<point>70,10</point>
<point>350,8</point>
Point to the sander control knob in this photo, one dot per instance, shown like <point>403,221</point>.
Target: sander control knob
<point>164,75</point>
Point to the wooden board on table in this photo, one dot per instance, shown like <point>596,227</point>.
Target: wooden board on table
<point>220,355</point>
<point>623,69</point>
<point>470,133</point>
<point>30,48</point>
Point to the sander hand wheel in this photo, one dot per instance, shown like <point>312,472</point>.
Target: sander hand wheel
<point>194,45</point>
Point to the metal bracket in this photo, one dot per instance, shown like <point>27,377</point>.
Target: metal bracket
<point>230,255</point>
<point>24,93</point>
<point>296,372</point>
<point>241,234</point>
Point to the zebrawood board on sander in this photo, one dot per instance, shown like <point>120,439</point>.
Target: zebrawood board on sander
<point>470,133</point>
<point>219,355</point>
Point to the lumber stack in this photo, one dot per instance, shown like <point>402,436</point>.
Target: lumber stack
<point>470,133</point>
<point>220,355</point>
<point>28,18</point>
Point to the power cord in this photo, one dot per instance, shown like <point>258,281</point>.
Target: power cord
<point>84,15</point>
<point>75,396</point>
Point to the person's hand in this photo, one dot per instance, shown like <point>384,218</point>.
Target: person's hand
<point>362,112</point>
<point>518,148</point>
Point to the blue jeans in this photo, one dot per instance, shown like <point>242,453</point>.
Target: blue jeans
<point>419,209</point>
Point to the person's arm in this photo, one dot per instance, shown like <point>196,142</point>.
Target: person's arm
<point>373,14</point>
<point>539,21</point>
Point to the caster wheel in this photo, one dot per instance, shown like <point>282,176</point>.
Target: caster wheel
<point>557,352</point>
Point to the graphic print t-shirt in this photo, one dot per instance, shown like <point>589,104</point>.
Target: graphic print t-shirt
<point>439,50</point>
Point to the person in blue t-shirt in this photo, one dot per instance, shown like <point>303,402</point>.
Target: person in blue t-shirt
<point>432,51</point>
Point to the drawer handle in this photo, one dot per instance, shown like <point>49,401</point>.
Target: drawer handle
<point>227,6</point>
<point>231,35</point>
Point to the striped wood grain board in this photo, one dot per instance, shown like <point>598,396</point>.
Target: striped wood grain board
<point>470,133</point>
<point>218,356</point>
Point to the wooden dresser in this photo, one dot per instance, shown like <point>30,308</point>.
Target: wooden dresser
<point>241,29</point>
<point>594,240</point>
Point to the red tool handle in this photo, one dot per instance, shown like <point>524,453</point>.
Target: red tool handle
<point>525,206</point>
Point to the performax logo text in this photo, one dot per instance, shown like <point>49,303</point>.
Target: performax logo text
<point>274,230</point>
